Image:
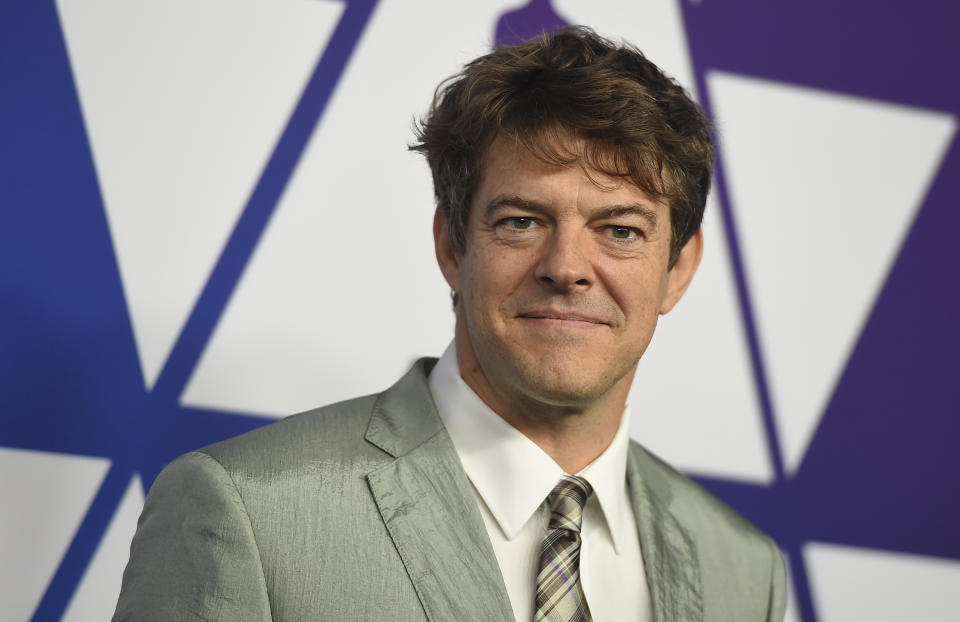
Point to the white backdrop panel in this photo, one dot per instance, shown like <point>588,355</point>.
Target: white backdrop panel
<point>183,102</point>
<point>45,496</point>
<point>825,187</point>
<point>851,583</point>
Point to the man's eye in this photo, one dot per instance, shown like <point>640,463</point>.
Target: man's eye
<point>623,233</point>
<point>518,222</point>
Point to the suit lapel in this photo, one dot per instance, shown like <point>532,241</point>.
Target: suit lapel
<point>429,509</point>
<point>669,554</point>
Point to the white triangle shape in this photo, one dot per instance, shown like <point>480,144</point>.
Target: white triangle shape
<point>96,595</point>
<point>45,496</point>
<point>824,188</point>
<point>696,375</point>
<point>850,583</point>
<point>183,103</point>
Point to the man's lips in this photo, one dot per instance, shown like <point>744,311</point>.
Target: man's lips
<point>572,319</point>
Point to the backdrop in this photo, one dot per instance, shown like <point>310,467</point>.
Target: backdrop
<point>209,219</point>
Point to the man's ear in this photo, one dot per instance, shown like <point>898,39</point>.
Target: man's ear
<point>679,277</point>
<point>447,258</point>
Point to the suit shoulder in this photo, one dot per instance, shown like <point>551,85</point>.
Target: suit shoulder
<point>740,567</point>
<point>693,505</point>
<point>329,433</point>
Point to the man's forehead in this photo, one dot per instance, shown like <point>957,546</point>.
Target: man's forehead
<point>548,150</point>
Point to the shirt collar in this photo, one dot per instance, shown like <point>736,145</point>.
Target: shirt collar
<point>493,453</point>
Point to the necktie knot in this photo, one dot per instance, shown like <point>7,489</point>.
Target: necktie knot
<point>567,500</point>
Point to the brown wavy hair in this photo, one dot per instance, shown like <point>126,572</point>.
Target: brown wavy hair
<point>627,118</point>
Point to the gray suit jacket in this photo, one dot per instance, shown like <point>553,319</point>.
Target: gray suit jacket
<point>361,511</point>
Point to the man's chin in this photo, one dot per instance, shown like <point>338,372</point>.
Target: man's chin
<point>568,386</point>
<point>567,374</point>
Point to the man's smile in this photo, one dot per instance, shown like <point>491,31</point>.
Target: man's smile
<point>554,318</point>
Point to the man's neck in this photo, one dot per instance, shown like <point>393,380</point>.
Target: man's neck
<point>573,434</point>
<point>573,440</point>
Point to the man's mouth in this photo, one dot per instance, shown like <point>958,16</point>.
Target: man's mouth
<point>562,319</point>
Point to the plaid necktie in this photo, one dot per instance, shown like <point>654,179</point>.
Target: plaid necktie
<point>559,593</point>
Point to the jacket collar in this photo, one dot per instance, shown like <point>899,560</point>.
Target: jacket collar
<point>669,552</point>
<point>404,416</point>
<point>428,507</point>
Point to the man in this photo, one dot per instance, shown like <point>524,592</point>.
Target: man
<point>498,483</point>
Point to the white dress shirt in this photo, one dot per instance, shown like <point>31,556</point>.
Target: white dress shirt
<point>512,477</point>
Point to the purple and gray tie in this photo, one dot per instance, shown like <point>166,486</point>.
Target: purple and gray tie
<point>559,593</point>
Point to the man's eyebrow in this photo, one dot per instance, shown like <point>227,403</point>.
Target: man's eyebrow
<point>513,200</point>
<point>629,209</point>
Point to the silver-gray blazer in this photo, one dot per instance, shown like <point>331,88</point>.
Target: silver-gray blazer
<point>361,511</point>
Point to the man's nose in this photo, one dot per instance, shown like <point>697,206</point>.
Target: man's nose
<point>564,262</point>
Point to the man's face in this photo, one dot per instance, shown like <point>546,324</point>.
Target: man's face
<point>561,281</point>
